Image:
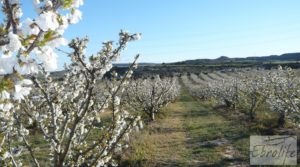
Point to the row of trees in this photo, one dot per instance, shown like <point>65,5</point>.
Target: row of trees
<point>279,89</point>
<point>67,113</point>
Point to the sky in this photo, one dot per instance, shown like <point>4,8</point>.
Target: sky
<point>177,30</point>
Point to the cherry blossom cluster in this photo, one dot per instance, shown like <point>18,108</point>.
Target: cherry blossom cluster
<point>27,43</point>
<point>67,113</point>
<point>151,94</point>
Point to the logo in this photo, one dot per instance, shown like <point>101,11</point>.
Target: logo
<point>273,150</point>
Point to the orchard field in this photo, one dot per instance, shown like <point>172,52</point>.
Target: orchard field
<point>92,110</point>
<point>202,131</point>
<point>195,119</point>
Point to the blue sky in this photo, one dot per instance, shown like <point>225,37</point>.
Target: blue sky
<point>175,30</point>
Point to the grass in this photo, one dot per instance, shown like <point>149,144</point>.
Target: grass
<point>178,137</point>
<point>205,123</point>
<point>161,143</point>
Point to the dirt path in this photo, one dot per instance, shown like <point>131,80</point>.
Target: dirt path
<point>190,133</point>
<point>212,139</point>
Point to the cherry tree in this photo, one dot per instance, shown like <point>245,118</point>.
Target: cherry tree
<point>285,94</point>
<point>67,113</point>
<point>150,95</point>
<point>226,91</point>
<point>254,90</point>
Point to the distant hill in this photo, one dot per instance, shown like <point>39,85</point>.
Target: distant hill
<point>116,66</point>
<point>128,64</point>
<point>199,65</point>
<point>224,59</point>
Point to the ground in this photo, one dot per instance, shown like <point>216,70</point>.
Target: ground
<point>191,132</point>
<point>195,132</point>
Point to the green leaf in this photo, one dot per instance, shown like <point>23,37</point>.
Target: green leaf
<point>66,3</point>
<point>6,84</point>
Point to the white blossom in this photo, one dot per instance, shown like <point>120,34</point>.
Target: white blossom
<point>117,100</point>
<point>75,16</point>
<point>47,21</point>
<point>29,28</point>
<point>7,64</point>
<point>48,57</point>
<point>22,89</point>
<point>14,42</point>
<point>63,26</point>
<point>6,106</point>
<point>58,42</point>
<point>5,155</point>
<point>4,95</point>
<point>48,3</point>
<point>137,36</point>
<point>77,3</point>
<point>18,13</point>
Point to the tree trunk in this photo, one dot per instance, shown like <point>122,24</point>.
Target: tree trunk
<point>228,103</point>
<point>252,114</point>
<point>152,116</point>
<point>281,120</point>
